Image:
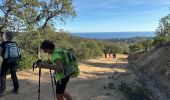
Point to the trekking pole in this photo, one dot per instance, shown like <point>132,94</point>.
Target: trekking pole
<point>39,83</point>
<point>52,82</point>
<point>35,66</point>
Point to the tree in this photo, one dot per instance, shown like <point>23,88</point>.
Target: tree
<point>95,50</point>
<point>164,26</point>
<point>147,44</point>
<point>39,14</point>
<point>8,20</point>
<point>163,32</point>
<point>135,47</point>
<point>33,15</point>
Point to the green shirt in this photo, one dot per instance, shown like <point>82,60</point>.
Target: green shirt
<point>57,55</point>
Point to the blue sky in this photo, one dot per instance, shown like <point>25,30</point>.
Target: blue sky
<point>116,15</point>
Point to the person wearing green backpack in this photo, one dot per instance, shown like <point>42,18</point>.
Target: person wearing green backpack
<point>59,64</point>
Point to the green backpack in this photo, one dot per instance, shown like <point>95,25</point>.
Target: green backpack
<point>71,68</point>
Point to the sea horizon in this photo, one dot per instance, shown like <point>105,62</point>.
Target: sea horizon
<point>114,35</point>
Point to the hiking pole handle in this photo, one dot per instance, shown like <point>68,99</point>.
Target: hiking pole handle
<point>35,64</point>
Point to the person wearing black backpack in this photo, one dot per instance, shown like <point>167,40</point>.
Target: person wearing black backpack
<point>10,53</point>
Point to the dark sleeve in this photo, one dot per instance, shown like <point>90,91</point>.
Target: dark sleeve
<point>2,45</point>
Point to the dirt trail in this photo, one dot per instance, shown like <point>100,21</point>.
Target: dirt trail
<point>90,85</point>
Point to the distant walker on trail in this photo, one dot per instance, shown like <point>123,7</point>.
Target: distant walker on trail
<point>64,64</point>
<point>114,55</point>
<point>9,51</point>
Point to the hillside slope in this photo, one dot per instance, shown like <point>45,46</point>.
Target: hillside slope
<point>156,65</point>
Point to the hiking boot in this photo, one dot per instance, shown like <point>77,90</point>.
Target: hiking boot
<point>16,91</point>
<point>2,94</point>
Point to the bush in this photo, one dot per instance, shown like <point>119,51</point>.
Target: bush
<point>133,92</point>
<point>26,61</point>
<point>135,47</point>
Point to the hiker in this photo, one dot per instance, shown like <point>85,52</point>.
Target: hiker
<point>9,51</point>
<point>57,66</point>
<point>114,55</point>
<point>110,53</point>
<point>105,53</point>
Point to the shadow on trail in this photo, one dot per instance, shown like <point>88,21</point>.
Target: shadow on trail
<point>28,90</point>
<point>80,89</point>
<point>104,65</point>
<point>99,74</point>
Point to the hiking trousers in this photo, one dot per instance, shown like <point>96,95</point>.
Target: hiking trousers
<point>4,70</point>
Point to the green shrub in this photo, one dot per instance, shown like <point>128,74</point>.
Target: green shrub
<point>135,47</point>
<point>133,92</point>
<point>26,61</point>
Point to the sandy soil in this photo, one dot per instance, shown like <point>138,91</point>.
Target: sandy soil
<point>90,85</point>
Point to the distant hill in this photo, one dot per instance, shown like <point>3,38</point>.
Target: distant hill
<point>130,40</point>
<point>114,35</point>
